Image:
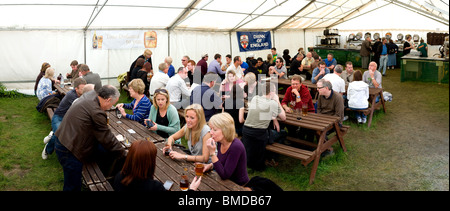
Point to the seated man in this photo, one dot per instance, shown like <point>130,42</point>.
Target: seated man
<point>307,62</point>
<point>336,80</point>
<point>64,105</point>
<point>330,62</point>
<point>206,96</point>
<point>279,69</point>
<point>178,90</point>
<point>372,76</point>
<point>91,78</point>
<point>319,72</point>
<point>296,65</point>
<point>330,102</point>
<point>159,79</point>
<point>347,74</point>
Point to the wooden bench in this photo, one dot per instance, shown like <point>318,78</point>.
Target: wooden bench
<point>320,123</point>
<point>94,179</point>
<point>50,112</point>
<point>373,105</point>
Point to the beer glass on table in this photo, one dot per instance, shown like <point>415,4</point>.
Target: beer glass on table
<point>304,109</point>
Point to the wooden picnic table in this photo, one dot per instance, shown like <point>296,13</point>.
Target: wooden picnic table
<point>166,168</point>
<point>63,90</point>
<point>321,124</point>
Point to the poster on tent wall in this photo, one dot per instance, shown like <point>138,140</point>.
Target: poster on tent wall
<point>254,41</point>
<point>126,39</point>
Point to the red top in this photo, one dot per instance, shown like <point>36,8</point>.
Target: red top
<point>304,95</point>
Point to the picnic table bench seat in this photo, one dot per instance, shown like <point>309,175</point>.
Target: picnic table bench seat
<point>50,112</point>
<point>94,178</point>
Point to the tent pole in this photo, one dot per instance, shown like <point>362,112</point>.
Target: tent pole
<point>231,46</point>
<point>168,42</point>
<point>84,32</point>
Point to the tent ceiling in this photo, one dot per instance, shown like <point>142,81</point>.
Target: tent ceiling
<point>218,15</point>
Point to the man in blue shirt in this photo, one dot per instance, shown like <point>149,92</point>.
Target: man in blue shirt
<point>319,72</point>
<point>214,66</point>
<point>384,56</point>
<point>58,116</point>
<point>206,96</point>
<point>330,62</point>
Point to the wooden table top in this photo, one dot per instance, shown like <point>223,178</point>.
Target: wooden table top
<point>314,121</point>
<point>63,90</point>
<point>166,168</point>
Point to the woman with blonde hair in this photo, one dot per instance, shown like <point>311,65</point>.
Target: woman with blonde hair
<point>45,86</point>
<point>140,105</point>
<point>228,156</point>
<point>163,115</point>
<point>44,67</point>
<point>196,131</point>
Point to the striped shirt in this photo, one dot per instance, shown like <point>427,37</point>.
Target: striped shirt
<point>141,111</point>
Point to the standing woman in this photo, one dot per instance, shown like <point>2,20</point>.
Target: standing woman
<point>140,105</point>
<point>44,67</point>
<point>196,131</point>
<point>392,54</point>
<point>44,87</point>
<point>408,45</point>
<point>228,156</point>
<point>164,115</point>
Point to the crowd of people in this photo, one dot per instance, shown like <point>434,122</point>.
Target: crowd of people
<point>218,131</point>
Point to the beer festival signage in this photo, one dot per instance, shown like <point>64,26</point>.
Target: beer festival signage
<point>116,39</point>
<point>254,41</point>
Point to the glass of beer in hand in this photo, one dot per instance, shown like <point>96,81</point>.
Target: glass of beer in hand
<point>184,182</point>
<point>199,169</point>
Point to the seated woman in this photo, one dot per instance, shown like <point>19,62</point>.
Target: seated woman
<point>250,87</point>
<point>45,86</point>
<point>231,79</point>
<point>140,105</point>
<point>142,74</point>
<point>196,131</point>
<point>230,160</point>
<point>164,115</point>
<point>357,96</point>
<point>138,171</point>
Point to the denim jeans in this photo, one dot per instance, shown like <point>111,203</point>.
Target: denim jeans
<point>383,63</point>
<point>72,167</point>
<point>56,121</point>
<point>357,113</point>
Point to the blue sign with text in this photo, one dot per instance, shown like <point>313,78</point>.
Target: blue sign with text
<point>254,41</point>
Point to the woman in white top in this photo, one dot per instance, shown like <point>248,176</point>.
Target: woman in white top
<point>358,95</point>
<point>45,87</point>
<point>196,131</point>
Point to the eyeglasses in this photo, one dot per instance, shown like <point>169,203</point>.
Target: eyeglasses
<point>161,91</point>
<point>183,60</point>
<point>320,87</point>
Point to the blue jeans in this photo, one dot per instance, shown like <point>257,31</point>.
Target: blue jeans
<point>383,63</point>
<point>72,167</point>
<point>357,113</point>
<point>56,121</point>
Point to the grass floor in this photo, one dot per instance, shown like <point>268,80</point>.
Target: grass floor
<point>406,148</point>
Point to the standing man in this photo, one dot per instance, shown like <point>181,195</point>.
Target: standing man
<point>203,64</point>
<point>274,54</point>
<point>382,48</point>
<point>319,72</point>
<point>365,52</point>
<point>83,130</point>
<point>91,78</point>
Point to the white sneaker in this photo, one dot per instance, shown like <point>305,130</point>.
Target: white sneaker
<point>364,120</point>
<point>44,153</point>
<point>359,120</point>
<point>47,138</point>
<point>345,118</point>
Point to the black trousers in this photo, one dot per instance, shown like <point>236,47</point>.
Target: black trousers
<point>255,141</point>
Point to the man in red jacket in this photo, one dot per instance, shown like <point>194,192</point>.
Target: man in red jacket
<point>297,95</point>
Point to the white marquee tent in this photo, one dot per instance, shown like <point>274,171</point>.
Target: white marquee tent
<point>37,31</point>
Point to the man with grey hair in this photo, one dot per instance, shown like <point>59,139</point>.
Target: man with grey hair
<point>84,131</point>
<point>336,80</point>
<point>330,102</point>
